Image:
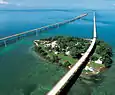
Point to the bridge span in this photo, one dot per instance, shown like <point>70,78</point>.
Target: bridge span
<point>63,86</point>
<point>6,40</point>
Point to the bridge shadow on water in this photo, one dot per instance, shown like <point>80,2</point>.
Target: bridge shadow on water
<point>68,86</point>
<point>15,39</point>
<point>18,38</point>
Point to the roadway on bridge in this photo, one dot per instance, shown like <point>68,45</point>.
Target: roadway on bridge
<point>64,81</point>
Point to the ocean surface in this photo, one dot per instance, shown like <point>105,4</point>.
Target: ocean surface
<point>22,72</point>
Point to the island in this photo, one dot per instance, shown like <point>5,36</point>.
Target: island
<point>66,51</point>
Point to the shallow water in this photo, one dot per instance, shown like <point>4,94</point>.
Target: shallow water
<point>22,71</point>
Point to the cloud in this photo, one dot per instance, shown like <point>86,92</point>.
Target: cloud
<point>3,2</point>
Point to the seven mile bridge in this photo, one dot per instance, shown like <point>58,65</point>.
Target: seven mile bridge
<point>63,86</point>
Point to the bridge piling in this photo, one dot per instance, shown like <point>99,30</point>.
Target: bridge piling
<point>36,32</point>
<point>18,37</point>
<point>4,41</point>
<point>58,26</point>
<point>5,44</point>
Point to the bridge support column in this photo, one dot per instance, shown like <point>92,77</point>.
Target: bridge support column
<point>18,37</point>
<point>24,35</point>
<point>57,26</point>
<point>5,43</point>
<point>36,32</point>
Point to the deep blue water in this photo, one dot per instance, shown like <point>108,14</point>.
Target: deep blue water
<point>21,70</point>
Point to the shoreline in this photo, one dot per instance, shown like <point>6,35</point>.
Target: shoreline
<point>82,77</point>
<point>89,70</point>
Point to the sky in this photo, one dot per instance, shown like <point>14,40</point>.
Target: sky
<point>82,4</point>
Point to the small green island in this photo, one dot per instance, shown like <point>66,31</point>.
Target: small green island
<point>66,51</point>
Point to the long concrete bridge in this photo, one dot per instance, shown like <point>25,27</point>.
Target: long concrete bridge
<point>9,39</point>
<point>64,85</point>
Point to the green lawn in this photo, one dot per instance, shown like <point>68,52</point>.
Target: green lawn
<point>67,58</point>
<point>95,65</point>
<point>61,56</point>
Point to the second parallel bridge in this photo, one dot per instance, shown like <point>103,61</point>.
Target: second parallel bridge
<point>4,40</point>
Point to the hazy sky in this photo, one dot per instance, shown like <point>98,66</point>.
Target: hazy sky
<point>85,4</point>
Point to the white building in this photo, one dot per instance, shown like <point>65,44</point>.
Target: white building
<point>98,61</point>
<point>67,53</point>
<point>89,68</point>
<point>56,52</point>
<point>53,44</point>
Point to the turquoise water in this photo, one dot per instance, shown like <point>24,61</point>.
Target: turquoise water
<point>23,72</point>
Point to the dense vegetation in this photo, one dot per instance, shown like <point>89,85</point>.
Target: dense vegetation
<point>65,51</point>
<point>76,46</point>
<point>104,51</point>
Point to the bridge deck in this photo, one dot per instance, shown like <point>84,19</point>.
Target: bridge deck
<point>61,84</point>
<point>44,27</point>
